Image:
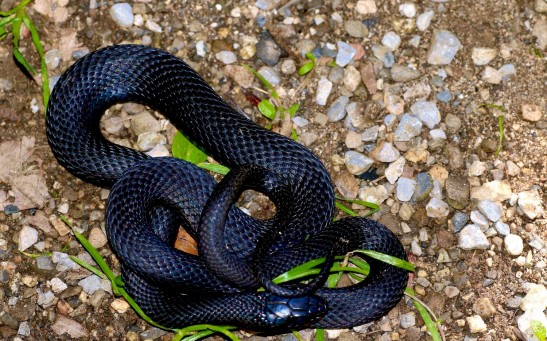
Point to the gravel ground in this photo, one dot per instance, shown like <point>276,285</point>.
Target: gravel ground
<point>403,108</point>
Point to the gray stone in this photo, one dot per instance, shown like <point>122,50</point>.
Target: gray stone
<point>385,152</point>
<point>472,238</point>
<point>457,191</point>
<point>267,49</point>
<point>226,57</point>
<point>384,54</point>
<point>53,58</point>
<point>345,54</point>
<point>147,141</point>
<point>24,329</point>
<point>45,299</point>
<point>424,185</point>
<point>459,220</point>
<point>502,228</point>
<point>443,48</point>
<point>530,204</point>
<point>337,110</point>
<point>391,41</point>
<point>405,188</point>
<point>427,112</point>
<point>352,78</point>
<point>436,208</point>
<point>490,210</point>
<point>90,284</point>
<point>144,122</point>
<point>44,263</point>
<point>395,169</point>
<point>408,320</point>
<point>28,236</point>
<point>401,73</point>
<point>478,219</point>
<point>408,128</point>
<point>357,163</point>
<point>270,74</point>
<point>356,28</point>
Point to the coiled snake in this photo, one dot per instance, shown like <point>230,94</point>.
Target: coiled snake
<point>151,197</point>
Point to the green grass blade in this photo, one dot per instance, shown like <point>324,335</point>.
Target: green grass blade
<point>374,207</point>
<point>38,45</point>
<point>293,109</point>
<point>297,335</point>
<point>220,169</point>
<point>398,262</point>
<point>345,209</point>
<point>360,264</point>
<point>267,109</point>
<point>320,334</point>
<point>183,149</point>
<point>263,80</point>
<point>501,133</point>
<point>429,323</point>
<point>15,9</point>
<point>88,267</point>
<point>16,31</point>
<point>296,272</point>
<point>306,68</point>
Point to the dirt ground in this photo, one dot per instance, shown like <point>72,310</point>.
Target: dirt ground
<point>477,274</point>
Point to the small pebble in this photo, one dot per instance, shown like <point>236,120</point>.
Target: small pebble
<point>443,48</point>
<point>472,238</point>
<point>507,71</point>
<point>90,284</point>
<point>428,113</point>
<point>408,10</point>
<point>401,73</point>
<point>395,169</point>
<point>122,14</point>
<point>153,26</point>
<point>436,208</point>
<point>366,7</point>
<point>482,55</point>
<point>270,74</point>
<point>288,66</point>
<point>408,128</point>
<point>502,228</point>
<point>391,41</point>
<point>337,110</point>
<point>371,134</point>
<point>531,204</point>
<point>357,163</point>
<point>267,49</point>
<point>385,152</point>
<point>478,219</point>
<point>405,188</point>
<point>28,236</point>
<point>408,320</point>
<point>120,305</point>
<point>356,28</point>
<point>324,88</point>
<point>476,324</point>
<point>147,141</point>
<point>451,291</point>
<point>490,210</point>
<point>424,20</point>
<point>53,58</point>
<point>226,57</point>
<point>24,329</point>
<point>345,53</point>
<point>444,96</point>
<point>352,78</point>
<point>491,75</point>
<point>424,186</point>
<point>57,285</point>
<point>531,112</point>
<point>513,244</point>
<point>459,220</point>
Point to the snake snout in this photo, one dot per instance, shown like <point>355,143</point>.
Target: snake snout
<point>286,313</point>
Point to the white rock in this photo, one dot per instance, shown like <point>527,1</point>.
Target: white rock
<point>530,204</point>
<point>345,53</point>
<point>476,324</point>
<point>57,285</point>
<point>436,208</point>
<point>270,74</point>
<point>357,163</point>
<point>415,41</point>
<point>483,55</point>
<point>226,57</point>
<point>424,20</point>
<point>122,14</point>
<point>324,87</point>
<point>428,113</point>
<point>376,194</point>
<point>513,244</point>
<point>471,238</point>
<point>531,112</point>
<point>507,71</point>
<point>477,168</point>
<point>408,320</point>
<point>147,141</point>
<point>491,75</point>
<point>437,134</point>
<point>408,10</point>
<point>386,152</point>
<point>27,237</point>
<point>443,48</point>
<point>352,78</point>
<point>524,323</point>
<point>45,299</point>
<point>478,219</point>
<point>366,7</point>
<point>391,40</point>
<point>159,150</point>
<point>395,169</point>
<point>153,26</point>
<point>502,228</point>
<point>536,298</point>
<point>408,128</point>
<point>90,284</point>
<point>371,134</point>
<point>495,191</point>
<point>120,305</point>
<point>490,210</point>
<point>405,189</point>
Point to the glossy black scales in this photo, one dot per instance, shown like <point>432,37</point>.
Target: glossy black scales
<point>150,198</point>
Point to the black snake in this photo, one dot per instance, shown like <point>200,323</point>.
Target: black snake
<point>151,197</point>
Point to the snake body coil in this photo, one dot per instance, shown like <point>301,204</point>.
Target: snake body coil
<point>150,198</point>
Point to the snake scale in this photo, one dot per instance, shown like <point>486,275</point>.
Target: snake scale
<point>151,197</point>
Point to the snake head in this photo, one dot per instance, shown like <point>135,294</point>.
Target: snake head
<point>293,312</point>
